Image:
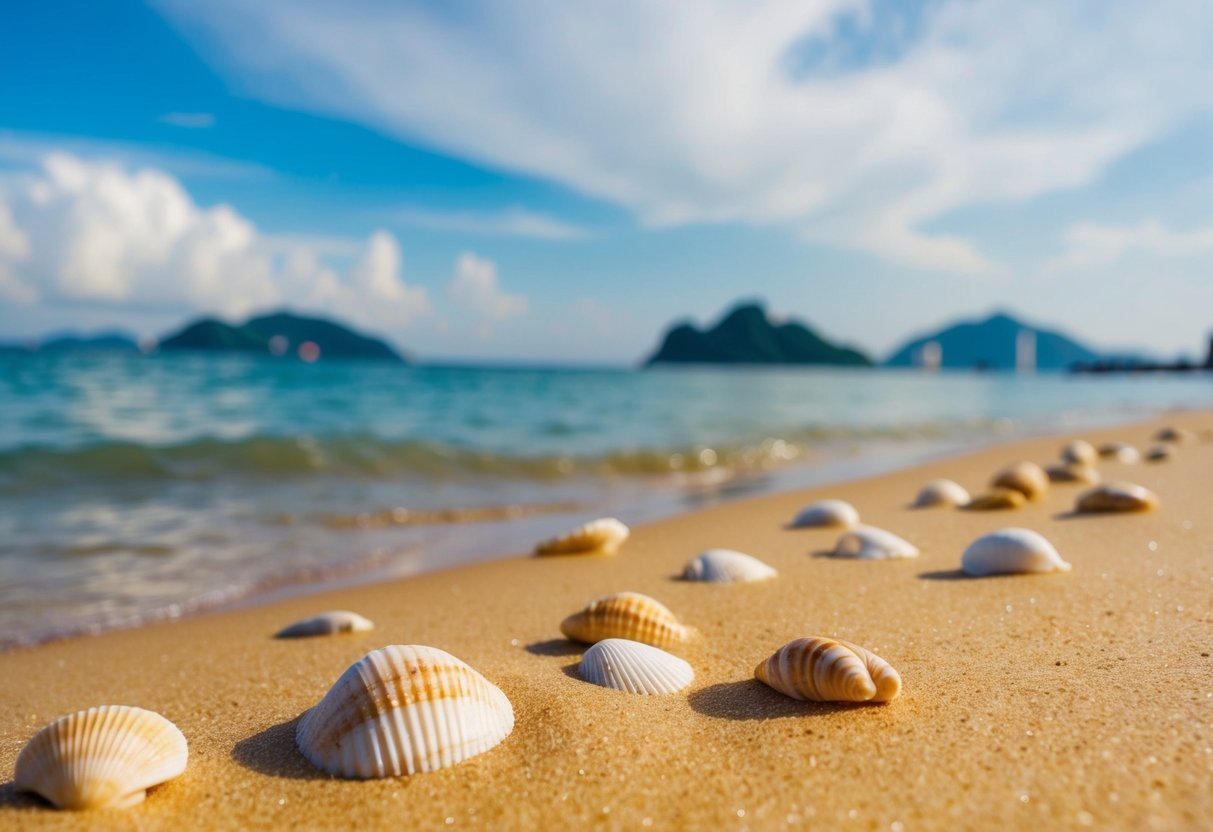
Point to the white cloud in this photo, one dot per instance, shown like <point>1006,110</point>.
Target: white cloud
<point>711,112</point>
<point>1090,245</point>
<point>475,288</point>
<point>512,222</point>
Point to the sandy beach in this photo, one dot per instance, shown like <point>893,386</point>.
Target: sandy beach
<point>1037,701</point>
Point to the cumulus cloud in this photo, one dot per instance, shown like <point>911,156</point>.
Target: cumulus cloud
<point>762,112</point>
<point>96,233</point>
<point>475,288</point>
<point>1089,245</point>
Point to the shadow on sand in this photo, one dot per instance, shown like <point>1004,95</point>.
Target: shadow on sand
<point>946,575</point>
<point>12,797</point>
<point>273,752</point>
<point>555,647</point>
<point>750,700</point>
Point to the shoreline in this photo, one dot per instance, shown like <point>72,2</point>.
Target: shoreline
<point>1084,693</point>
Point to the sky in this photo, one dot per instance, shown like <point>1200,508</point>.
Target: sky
<point>540,180</point>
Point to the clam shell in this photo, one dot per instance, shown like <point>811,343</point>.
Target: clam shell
<point>871,543</point>
<point>827,513</point>
<point>1008,551</point>
<point>1120,452</point>
<point>1159,453</point>
<point>827,670</point>
<point>724,566</point>
<point>604,535</point>
<point>1028,478</point>
<point>1176,435</point>
<point>1084,474</point>
<point>103,758</point>
<point>1079,452</point>
<point>996,499</point>
<point>634,667</point>
<point>626,615</point>
<point>941,493</point>
<point>327,624</point>
<point>404,709</point>
<point>1117,496</point>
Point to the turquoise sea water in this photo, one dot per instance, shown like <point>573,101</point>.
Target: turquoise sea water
<point>135,487</point>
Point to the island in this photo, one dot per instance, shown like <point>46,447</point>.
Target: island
<point>281,334</point>
<point>998,342</point>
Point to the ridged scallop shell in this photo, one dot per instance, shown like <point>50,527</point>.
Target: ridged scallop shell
<point>1177,435</point>
<point>327,624</point>
<point>627,615</point>
<point>827,670</point>
<point>1120,452</point>
<point>827,513</point>
<point>1159,453</point>
<point>1028,478</point>
<point>1117,496</point>
<point>1009,551</point>
<point>1084,474</point>
<point>941,493</point>
<point>604,535</point>
<point>401,710</point>
<point>102,758</point>
<point>1079,452</point>
<point>997,499</point>
<point>634,667</point>
<point>871,543</point>
<point>724,566</point>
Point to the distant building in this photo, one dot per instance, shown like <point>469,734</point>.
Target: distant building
<point>1025,351</point>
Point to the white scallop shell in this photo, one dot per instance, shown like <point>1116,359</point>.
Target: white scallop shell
<point>102,758</point>
<point>941,493</point>
<point>634,667</point>
<point>327,624</point>
<point>724,566</point>
<point>828,670</point>
<point>404,709</point>
<point>1009,551</point>
<point>1079,452</point>
<point>827,513</point>
<point>604,535</point>
<point>1117,497</point>
<point>1120,452</point>
<point>871,543</point>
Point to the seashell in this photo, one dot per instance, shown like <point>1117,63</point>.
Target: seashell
<point>1079,452</point>
<point>1120,452</point>
<point>827,513</point>
<point>327,624</point>
<point>634,667</point>
<point>1117,496</point>
<point>941,493</point>
<point>1073,473</point>
<point>404,709</point>
<point>102,758</point>
<point>871,543</point>
<point>1008,551</point>
<point>724,566</point>
<point>827,670</point>
<point>1180,436</point>
<point>996,499</point>
<point>1159,453</point>
<point>604,535</point>
<point>1027,478</point>
<point>627,615</point>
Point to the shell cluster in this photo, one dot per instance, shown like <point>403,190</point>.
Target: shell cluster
<point>327,624</point>
<point>602,536</point>
<point>1116,497</point>
<point>634,667</point>
<point>1121,452</point>
<point>1010,551</point>
<point>102,758</point>
<point>826,670</point>
<point>941,493</point>
<point>401,710</point>
<point>827,513</point>
<point>1073,472</point>
<point>871,543</point>
<point>626,615</point>
<point>1028,478</point>
<point>724,566</point>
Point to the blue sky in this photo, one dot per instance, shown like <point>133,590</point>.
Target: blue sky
<point>540,180</point>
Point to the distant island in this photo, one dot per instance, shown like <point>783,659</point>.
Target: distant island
<point>73,342</point>
<point>280,333</point>
<point>746,335</point>
<point>999,342</point>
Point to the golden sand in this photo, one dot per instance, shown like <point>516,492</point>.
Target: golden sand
<point>1038,702</point>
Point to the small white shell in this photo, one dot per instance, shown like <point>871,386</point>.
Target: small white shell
<point>1013,550</point>
<point>941,493</point>
<point>327,624</point>
<point>828,670</point>
<point>1117,497</point>
<point>634,667</point>
<point>1079,452</point>
<point>871,543</point>
<point>827,513</point>
<point>1121,452</point>
<point>103,758</point>
<point>604,535</point>
<point>724,566</point>
<point>404,709</point>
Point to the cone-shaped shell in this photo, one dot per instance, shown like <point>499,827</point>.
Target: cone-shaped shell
<point>1120,452</point>
<point>1008,551</point>
<point>941,493</point>
<point>627,615</point>
<point>1083,474</point>
<point>327,624</point>
<point>1177,435</point>
<point>871,543</point>
<point>602,536</point>
<point>1079,452</point>
<point>1117,496</point>
<point>724,566</point>
<point>1028,478</point>
<point>401,710</point>
<point>997,499</point>
<point>1159,453</point>
<point>827,513</point>
<point>634,667</point>
<point>103,758</point>
<point>827,670</point>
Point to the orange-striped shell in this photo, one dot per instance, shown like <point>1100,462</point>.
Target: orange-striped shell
<point>1117,497</point>
<point>828,670</point>
<point>1027,478</point>
<point>627,615</point>
<point>996,499</point>
<point>602,536</point>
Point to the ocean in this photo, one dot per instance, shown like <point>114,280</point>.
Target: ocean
<point>137,488</point>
